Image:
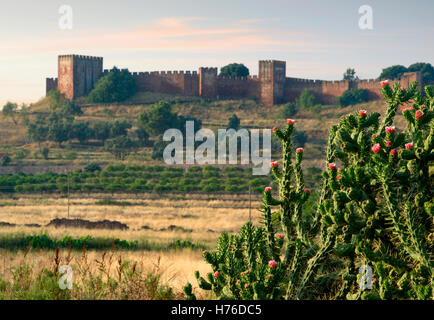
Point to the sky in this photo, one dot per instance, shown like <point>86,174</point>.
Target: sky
<point>318,39</point>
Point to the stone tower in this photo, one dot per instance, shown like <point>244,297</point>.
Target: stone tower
<point>272,75</point>
<point>78,74</point>
<point>208,82</point>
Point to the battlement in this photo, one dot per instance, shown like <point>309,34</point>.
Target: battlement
<point>77,75</point>
<point>81,57</point>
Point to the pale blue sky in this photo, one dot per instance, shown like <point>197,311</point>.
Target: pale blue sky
<point>318,39</point>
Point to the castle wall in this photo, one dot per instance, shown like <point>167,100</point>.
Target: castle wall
<point>294,86</point>
<point>65,77</point>
<point>234,87</point>
<point>171,82</point>
<point>50,84</point>
<point>87,71</point>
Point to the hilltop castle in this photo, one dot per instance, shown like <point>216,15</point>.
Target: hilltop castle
<point>78,74</point>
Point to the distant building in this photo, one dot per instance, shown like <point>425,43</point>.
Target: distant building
<point>78,74</point>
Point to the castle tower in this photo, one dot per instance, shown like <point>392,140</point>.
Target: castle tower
<point>78,74</point>
<point>272,74</point>
<point>208,82</point>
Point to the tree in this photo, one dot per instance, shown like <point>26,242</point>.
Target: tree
<point>352,96</point>
<point>101,131</point>
<point>119,128</point>
<point>158,148</point>
<point>5,160</point>
<point>426,69</point>
<point>10,110</point>
<point>350,74</point>
<point>142,136</point>
<point>120,147</point>
<point>59,130</point>
<point>37,131</point>
<point>393,72</point>
<point>117,85</point>
<point>288,110</point>
<point>234,122</point>
<point>234,70</point>
<point>307,99</point>
<point>159,118</point>
<point>81,131</point>
<point>44,152</point>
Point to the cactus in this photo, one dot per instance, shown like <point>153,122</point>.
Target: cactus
<point>374,209</point>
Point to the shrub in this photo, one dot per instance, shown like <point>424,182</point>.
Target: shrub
<point>306,99</point>
<point>288,110</point>
<point>5,160</point>
<point>352,96</point>
<point>116,86</point>
<point>375,211</point>
<point>71,155</point>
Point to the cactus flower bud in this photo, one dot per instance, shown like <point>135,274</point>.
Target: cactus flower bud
<point>299,150</point>
<point>307,191</point>
<point>274,164</point>
<point>274,129</point>
<point>269,276</point>
<point>332,166</point>
<point>376,147</point>
<point>363,113</point>
<point>238,282</point>
<point>407,109</point>
<point>419,114</point>
<point>374,280</point>
<point>393,152</point>
<point>384,83</point>
<point>267,189</point>
<point>216,274</point>
<point>272,264</point>
<point>290,121</point>
<point>388,143</point>
<point>409,145</point>
<point>390,129</point>
<point>373,136</point>
<point>339,169</point>
<point>338,177</point>
<point>247,286</point>
<point>280,236</point>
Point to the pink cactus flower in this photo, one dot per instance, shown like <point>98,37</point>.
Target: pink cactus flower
<point>419,114</point>
<point>307,191</point>
<point>280,236</point>
<point>338,177</point>
<point>390,129</point>
<point>393,152</point>
<point>388,143</point>
<point>384,83</point>
<point>272,264</point>
<point>409,145</point>
<point>373,136</point>
<point>299,150</point>
<point>274,164</point>
<point>247,286</point>
<point>216,274</point>
<point>376,147</point>
<point>363,113</point>
<point>332,166</point>
<point>268,189</point>
<point>274,129</point>
<point>290,121</point>
<point>339,169</point>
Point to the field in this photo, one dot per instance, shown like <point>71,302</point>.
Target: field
<point>152,219</point>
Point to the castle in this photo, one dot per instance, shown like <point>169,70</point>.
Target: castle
<point>78,74</point>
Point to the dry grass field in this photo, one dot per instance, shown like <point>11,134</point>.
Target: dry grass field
<point>200,220</point>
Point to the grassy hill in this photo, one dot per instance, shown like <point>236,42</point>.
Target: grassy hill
<point>214,114</point>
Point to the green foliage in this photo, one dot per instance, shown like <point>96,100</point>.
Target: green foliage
<point>159,118</point>
<point>116,86</point>
<point>44,152</point>
<point>307,99</point>
<point>234,70</point>
<point>393,72</point>
<point>376,210</point>
<point>120,147</point>
<point>288,110</point>
<point>350,74</point>
<point>10,110</point>
<point>234,122</point>
<point>5,160</point>
<point>352,96</point>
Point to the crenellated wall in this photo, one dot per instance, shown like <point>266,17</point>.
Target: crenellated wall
<point>77,76</point>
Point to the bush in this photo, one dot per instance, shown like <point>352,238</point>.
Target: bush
<point>234,70</point>
<point>71,155</point>
<point>116,86</point>
<point>5,160</point>
<point>307,99</point>
<point>288,110</point>
<point>352,96</point>
<point>44,152</point>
